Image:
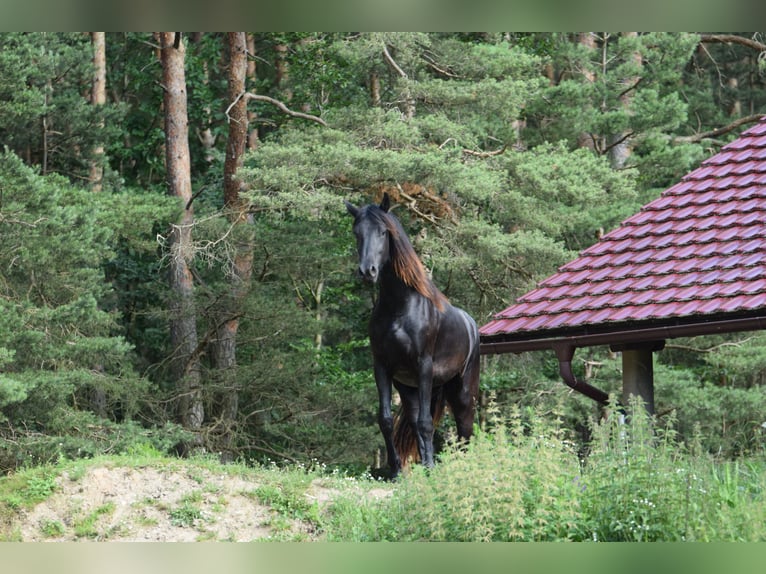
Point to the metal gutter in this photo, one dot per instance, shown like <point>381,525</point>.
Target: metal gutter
<point>565,353</point>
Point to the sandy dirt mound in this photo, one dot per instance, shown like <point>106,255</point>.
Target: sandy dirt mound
<point>148,504</point>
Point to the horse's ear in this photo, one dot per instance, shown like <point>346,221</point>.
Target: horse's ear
<point>385,205</point>
<point>352,209</point>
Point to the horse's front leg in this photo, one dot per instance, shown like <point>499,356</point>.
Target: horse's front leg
<point>425,424</point>
<point>386,418</point>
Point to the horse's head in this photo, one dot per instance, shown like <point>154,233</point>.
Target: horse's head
<point>372,237</point>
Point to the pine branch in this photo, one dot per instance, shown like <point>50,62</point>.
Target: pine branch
<point>625,136</point>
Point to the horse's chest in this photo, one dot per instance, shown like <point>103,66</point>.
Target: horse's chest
<point>401,348</point>
<point>396,338</point>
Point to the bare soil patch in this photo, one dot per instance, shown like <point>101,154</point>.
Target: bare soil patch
<point>149,504</point>
<point>168,504</point>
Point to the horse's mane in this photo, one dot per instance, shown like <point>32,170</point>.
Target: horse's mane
<point>406,263</point>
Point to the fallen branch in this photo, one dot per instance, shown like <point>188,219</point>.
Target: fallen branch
<point>432,64</point>
<point>484,153</point>
<point>409,102</point>
<point>712,349</point>
<point>413,206</point>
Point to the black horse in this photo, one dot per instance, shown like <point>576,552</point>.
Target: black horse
<point>425,347</point>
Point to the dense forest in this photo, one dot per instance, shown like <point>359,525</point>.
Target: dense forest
<point>177,266</point>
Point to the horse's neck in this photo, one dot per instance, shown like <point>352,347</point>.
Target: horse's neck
<point>395,293</point>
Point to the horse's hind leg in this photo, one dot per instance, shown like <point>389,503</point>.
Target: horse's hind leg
<point>417,435</point>
<point>462,405</point>
<point>462,393</point>
<point>405,435</point>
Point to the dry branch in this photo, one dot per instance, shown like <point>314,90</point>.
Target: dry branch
<point>259,98</point>
<point>733,39</point>
<point>718,131</point>
<point>392,62</point>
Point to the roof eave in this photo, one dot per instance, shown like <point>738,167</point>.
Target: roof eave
<point>621,334</point>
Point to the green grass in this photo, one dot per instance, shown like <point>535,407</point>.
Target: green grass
<point>87,526</point>
<point>188,512</point>
<point>22,491</point>
<point>52,528</point>
<point>185,515</point>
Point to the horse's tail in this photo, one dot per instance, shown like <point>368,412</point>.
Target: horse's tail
<point>405,436</point>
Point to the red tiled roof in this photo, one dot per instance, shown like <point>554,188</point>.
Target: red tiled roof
<point>698,251</point>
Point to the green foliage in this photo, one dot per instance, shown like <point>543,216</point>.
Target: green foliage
<point>86,527</point>
<point>43,114</point>
<point>643,485</point>
<point>568,196</point>
<point>186,514</point>
<point>740,363</point>
<point>513,483</point>
<point>22,491</point>
<point>59,339</point>
<point>637,487</point>
<point>727,419</point>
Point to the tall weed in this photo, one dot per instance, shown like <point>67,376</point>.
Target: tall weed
<point>638,484</point>
<point>642,484</point>
<point>517,482</point>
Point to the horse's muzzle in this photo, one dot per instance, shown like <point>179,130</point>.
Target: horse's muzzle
<point>369,274</point>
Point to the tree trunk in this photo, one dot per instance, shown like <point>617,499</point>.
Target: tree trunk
<point>204,131</point>
<point>621,145</point>
<point>252,136</point>
<point>282,71</point>
<point>98,403</point>
<point>374,89</point>
<point>224,345</point>
<point>235,144</point>
<point>588,40</point>
<point>735,109</point>
<point>98,98</point>
<point>185,361</point>
<point>46,128</point>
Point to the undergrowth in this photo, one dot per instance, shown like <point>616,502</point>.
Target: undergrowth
<point>520,480</point>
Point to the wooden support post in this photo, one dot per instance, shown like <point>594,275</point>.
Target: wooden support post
<point>638,372</point>
<point>638,377</point>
